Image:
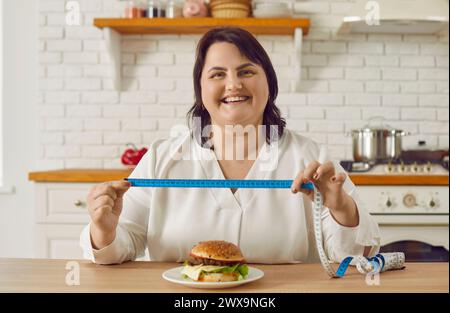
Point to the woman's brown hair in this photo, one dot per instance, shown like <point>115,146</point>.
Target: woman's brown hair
<point>252,49</point>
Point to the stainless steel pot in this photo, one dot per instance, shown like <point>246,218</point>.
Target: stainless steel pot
<point>379,143</point>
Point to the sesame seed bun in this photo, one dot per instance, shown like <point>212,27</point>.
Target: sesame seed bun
<point>216,252</point>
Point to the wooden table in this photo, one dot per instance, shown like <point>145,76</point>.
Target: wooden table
<point>45,275</point>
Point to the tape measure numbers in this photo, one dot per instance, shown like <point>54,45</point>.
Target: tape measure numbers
<point>215,183</point>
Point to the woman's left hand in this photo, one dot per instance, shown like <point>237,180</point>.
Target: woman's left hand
<point>330,184</point>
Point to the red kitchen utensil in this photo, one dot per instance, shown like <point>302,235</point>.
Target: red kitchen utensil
<point>132,155</point>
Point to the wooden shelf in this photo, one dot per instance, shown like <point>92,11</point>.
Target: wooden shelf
<point>199,25</point>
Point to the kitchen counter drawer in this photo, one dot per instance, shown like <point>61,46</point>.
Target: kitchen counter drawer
<point>62,203</point>
<point>59,241</point>
<point>61,215</point>
<point>62,241</point>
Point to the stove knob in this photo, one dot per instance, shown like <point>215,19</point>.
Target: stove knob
<point>432,204</point>
<point>428,167</point>
<point>415,167</point>
<point>388,203</point>
<point>409,200</point>
<point>402,167</point>
<point>389,168</point>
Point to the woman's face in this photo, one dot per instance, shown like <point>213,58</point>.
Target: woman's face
<point>234,89</point>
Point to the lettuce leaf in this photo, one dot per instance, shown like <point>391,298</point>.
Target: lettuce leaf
<point>243,270</point>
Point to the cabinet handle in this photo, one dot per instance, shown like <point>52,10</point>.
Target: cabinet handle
<point>79,203</point>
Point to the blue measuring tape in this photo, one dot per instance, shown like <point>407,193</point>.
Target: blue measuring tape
<point>215,183</point>
<point>377,263</point>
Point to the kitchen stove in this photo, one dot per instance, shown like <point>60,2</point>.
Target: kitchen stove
<point>413,217</point>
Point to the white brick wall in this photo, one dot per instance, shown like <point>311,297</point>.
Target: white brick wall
<point>345,81</point>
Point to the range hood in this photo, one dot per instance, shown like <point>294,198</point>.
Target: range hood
<point>397,17</point>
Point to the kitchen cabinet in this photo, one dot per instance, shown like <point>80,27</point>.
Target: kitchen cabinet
<point>61,213</point>
<point>113,28</point>
<point>58,241</point>
<point>62,203</point>
<point>61,209</point>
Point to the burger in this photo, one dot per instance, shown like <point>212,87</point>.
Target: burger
<point>215,261</point>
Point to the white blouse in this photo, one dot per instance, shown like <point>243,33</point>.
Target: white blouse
<point>269,225</point>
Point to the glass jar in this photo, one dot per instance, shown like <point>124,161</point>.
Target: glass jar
<point>143,8</point>
<point>155,8</point>
<point>174,9</point>
<point>132,9</point>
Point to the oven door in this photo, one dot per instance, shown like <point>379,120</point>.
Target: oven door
<point>420,243</point>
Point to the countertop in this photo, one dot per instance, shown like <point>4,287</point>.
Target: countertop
<point>45,275</point>
<point>101,175</point>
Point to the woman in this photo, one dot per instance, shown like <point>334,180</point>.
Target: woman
<point>235,91</point>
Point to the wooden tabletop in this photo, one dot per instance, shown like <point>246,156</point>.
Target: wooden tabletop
<point>102,175</point>
<point>45,275</point>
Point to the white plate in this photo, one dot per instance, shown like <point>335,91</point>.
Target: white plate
<point>174,275</point>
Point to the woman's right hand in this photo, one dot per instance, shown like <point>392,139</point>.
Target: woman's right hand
<point>105,205</point>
